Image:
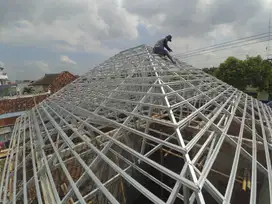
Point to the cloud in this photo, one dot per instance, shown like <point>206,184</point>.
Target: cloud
<point>66,59</point>
<point>200,23</point>
<point>66,25</point>
<point>88,25</point>
<point>101,28</point>
<point>194,18</point>
<point>2,64</point>
<point>40,65</point>
<point>28,69</point>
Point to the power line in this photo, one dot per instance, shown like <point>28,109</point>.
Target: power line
<point>205,61</point>
<point>246,43</point>
<point>216,58</point>
<point>225,44</point>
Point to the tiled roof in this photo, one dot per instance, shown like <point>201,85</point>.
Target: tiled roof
<point>46,80</point>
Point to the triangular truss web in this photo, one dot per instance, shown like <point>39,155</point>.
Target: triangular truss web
<point>138,129</point>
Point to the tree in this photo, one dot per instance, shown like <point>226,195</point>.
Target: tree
<point>233,72</point>
<point>253,71</point>
<point>210,71</point>
<point>265,77</point>
<point>28,90</point>
<point>256,72</point>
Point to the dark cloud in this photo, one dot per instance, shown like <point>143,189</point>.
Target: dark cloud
<point>231,11</point>
<point>102,26</point>
<point>38,11</point>
<point>194,18</point>
<point>98,19</point>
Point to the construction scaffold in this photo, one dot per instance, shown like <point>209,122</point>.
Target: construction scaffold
<point>137,128</point>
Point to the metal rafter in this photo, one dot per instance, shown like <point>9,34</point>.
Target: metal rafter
<point>88,141</point>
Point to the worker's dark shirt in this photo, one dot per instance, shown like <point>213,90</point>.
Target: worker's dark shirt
<point>162,44</point>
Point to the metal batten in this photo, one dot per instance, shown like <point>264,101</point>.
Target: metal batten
<point>103,132</point>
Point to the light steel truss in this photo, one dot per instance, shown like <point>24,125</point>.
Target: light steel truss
<point>135,120</point>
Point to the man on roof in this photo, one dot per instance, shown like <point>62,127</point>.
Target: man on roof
<point>161,44</point>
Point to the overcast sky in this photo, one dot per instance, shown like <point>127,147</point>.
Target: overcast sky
<point>49,36</point>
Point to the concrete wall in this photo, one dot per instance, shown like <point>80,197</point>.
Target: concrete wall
<point>21,86</point>
<point>261,95</point>
<point>264,96</point>
<point>39,88</point>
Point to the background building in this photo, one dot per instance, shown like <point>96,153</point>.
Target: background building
<point>21,85</point>
<point>3,76</point>
<point>53,82</point>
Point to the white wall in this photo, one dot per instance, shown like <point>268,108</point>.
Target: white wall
<point>21,86</point>
<point>38,89</point>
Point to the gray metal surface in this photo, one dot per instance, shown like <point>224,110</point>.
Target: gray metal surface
<point>105,136</point>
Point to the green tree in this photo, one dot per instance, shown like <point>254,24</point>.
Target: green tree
<point>28,90</point>
<point>210,71</point>
<point>265,76</point>
<point>233,72</point>
<point>253,66</point>
<point>253,71</point>
<point>258,72</point>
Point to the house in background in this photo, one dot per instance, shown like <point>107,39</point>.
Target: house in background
<point>21,85</point>
<point>52,82</point>
<point>3,76</point>
<point>8,90</point>
<point>42,85</point>
<point>13,107</point>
